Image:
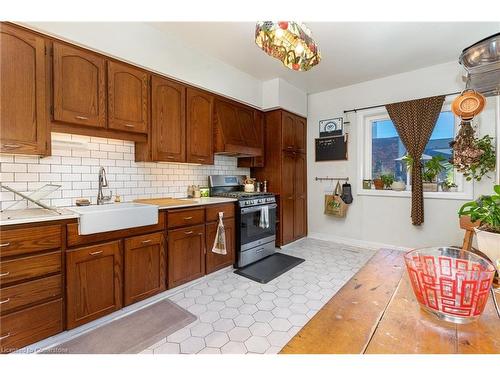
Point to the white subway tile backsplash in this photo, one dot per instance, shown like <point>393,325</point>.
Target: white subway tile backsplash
<point>20,177</point>
<point>38,168</point>
<point>12,167</point>
<point>75,168</point>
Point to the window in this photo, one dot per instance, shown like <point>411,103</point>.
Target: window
<point>388,150</point>
<point>384,153</point>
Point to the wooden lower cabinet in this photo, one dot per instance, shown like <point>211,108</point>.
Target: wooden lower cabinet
<point>30,325</point>
<point>186,254</point>
<point>216,261</point>
<point>144,267</point>
<point>94,282</point>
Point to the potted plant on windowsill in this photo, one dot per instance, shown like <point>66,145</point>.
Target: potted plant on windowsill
<point>431,169</point>
<point>449,186</point>
<point>387,180</point>
<point>486,211</point>
<point>378,183</point>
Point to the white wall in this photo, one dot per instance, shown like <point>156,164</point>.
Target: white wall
<point>278,93</point>
<point>143,45</point>
<point>385,220</point>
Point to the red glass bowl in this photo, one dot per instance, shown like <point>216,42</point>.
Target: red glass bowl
<point>451,283</point>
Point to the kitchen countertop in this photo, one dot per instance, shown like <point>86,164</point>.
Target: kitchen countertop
<point>35,215</point>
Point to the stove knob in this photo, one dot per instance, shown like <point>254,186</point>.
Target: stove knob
<point>259,201</point>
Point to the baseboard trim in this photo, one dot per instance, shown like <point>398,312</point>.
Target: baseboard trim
<point>354,242</point>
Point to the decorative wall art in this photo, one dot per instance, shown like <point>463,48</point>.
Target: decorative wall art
<point>331,127</point>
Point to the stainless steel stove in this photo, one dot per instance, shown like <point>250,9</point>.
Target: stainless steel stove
<point>255,220</point>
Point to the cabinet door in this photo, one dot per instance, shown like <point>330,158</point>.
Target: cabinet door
<point>186,254</point>
<point>168,118</point>
<point>127,98</point>
<point>288,131</point>
<point>227,116</point>
<point>287,198</point>
<point>216,261</point>
<point>144,263</point>
<point>300,134</point>
<point>23,112</point>
<point>79,87</point>
<point>248,128</point>
<point>94,285</point>
<point>199,127</point>
<point>300,203</point>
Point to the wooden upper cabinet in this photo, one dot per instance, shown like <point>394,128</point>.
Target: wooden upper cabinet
<point>228,124</point>
<point>199,126</point>
<point>288,131</point>
<point>79,87</point>
<point>23,110</point>
<point>93,282</point>
<point>248,127</point>
<point>127,98</point>
<point>168,116</point>
<point>300,134</point>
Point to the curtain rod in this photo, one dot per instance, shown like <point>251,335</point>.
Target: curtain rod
<point>383,105</point>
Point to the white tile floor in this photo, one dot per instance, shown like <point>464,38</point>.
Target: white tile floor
<point>237,315</point>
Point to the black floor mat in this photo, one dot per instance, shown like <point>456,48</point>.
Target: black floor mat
<point>269,268</point>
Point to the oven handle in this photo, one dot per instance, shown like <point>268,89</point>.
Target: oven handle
<point>257,208</point>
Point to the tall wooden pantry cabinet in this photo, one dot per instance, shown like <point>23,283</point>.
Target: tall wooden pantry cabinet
<point>285,169</point>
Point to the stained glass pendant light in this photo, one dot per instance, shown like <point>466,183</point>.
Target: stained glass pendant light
<point>288,41</point>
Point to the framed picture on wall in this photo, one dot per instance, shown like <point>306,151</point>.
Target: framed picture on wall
<point>331,127</point>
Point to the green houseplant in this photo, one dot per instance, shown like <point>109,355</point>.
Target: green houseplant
<point>448,185</point>
<point>486,162</point>
<point>431,170</point>
<point>486,211</point>
<point>387,179</point>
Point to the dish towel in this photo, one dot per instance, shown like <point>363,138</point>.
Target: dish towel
<point>264,217</point>
<point>220,238</point>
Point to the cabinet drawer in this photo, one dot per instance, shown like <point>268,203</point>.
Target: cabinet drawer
<point>145,240</point>
<point>75,239</point>
<point>182,218</point>
<point>213,211</point>
<point>28,293</point>
<point>29,267</point>
<point>28,240</point>
<point>30,325</point>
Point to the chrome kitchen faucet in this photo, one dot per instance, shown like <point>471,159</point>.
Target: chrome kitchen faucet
<point>103,182</point>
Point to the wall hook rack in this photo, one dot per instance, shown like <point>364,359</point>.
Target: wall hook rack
<point>332,178</point>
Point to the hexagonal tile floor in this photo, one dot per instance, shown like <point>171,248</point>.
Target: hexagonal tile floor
<point>237,315</point>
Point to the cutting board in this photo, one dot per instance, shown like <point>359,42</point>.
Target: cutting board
<point>162,202</point>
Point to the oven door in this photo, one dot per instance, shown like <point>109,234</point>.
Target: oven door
<point>252,233</point>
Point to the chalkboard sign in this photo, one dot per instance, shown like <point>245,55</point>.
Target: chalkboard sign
<point>331,148</point>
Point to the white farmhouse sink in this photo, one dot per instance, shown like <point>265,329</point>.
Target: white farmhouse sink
<point>107,217</point>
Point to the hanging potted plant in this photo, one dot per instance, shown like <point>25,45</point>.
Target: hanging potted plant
<point>484,164</point>
<point>430,172</point>
<point>486,211</point>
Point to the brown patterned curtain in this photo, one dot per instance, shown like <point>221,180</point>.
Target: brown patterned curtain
<point>414,120</point>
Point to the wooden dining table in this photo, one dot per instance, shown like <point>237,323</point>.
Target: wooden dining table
<point>376,312</point>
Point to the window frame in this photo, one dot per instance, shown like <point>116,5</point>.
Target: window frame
<point>364,120</point>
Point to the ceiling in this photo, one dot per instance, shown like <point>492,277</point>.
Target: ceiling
<point>352,52</point>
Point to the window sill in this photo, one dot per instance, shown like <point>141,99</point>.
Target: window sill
<point>460,195</point>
